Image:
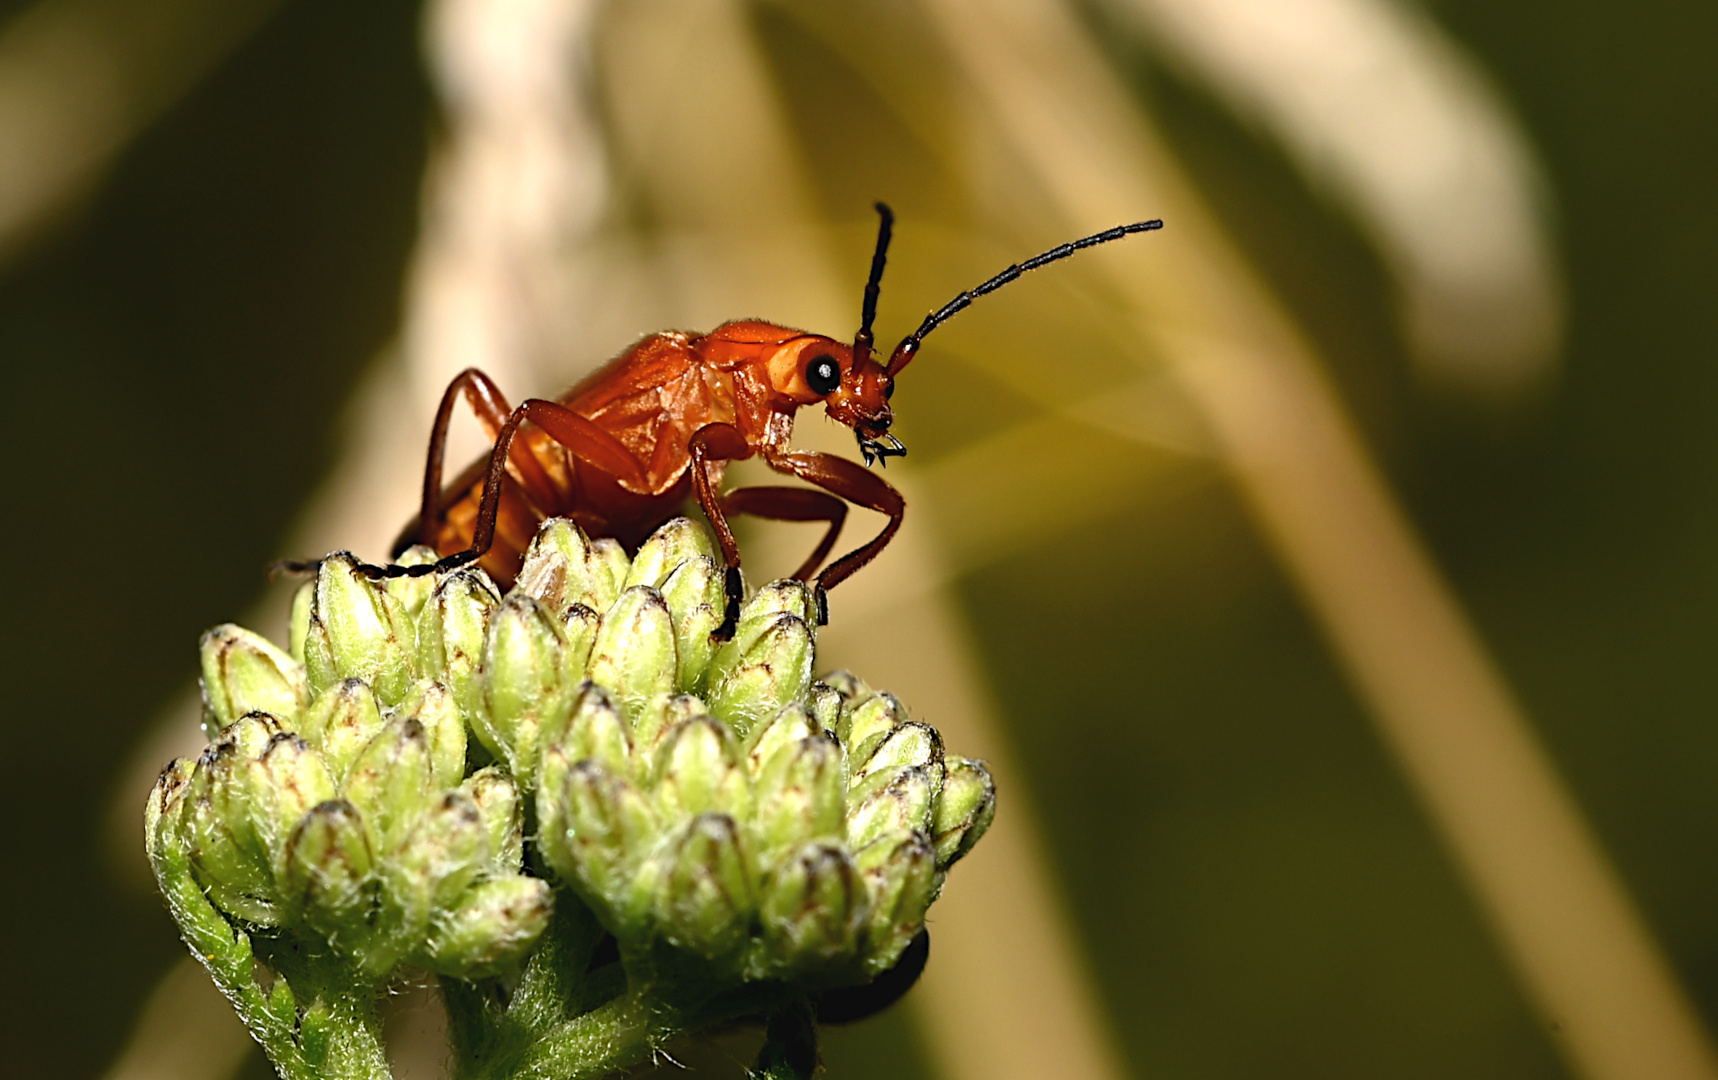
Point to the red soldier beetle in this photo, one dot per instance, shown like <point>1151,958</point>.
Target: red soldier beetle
<point>620,452</point>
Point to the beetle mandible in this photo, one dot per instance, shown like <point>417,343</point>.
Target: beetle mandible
<point>620,452</point>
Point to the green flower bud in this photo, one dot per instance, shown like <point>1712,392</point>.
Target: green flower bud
<point>786,728</point>
<point>412,593</point>
<point>447,851</point>
<point>580,626</point>
<point>698,770</point>
<point>608,553</point>
<point>229,860</point>
<point>899,869</point>
<point>597,731</point>
<point>849,686</point>
<point>633,657</point>
<point>826,706</point>
<point>391,782</point>
<point>766,666</point>
<point>491,930</point>
<point>298,622</point>
<point>251,734</point>
<point>562,568</point>
<point>696,598</point>
<point>865,723</point>
<point>328,863</point>
<point>666,550</point>
<point>451,632</point>
<point>812,907</point>
<point>701,889</point>
<point>357,630</point>
<point>963,811</point>
<point>497,799</point>
<point>282,785</point>
<point>243,673</point>
<point>910,745</point>
<point>524,691</point>
<point>904,804</point>
<point>799,796</point>
<point>164,813</point>
<point>607,828</point>
<point>785,596</point>
<point>341,723</point>
<point>430,704</point>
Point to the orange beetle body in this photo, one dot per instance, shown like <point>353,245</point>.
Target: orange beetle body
<point>621,452</point>
<point>652,399</point>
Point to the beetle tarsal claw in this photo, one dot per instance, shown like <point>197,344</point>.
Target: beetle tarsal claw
<point>880,449</point>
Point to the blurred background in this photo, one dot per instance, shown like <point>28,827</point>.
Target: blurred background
<point>1330,576</point>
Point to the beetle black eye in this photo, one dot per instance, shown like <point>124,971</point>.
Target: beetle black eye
<point>888,391</point>
<point>823,375</point>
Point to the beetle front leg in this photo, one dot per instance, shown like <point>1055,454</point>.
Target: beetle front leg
<point>793,504</point>
<point>857,485</point>
<point>711,445</point>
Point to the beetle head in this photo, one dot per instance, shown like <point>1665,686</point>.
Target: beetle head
<point>853,387</point>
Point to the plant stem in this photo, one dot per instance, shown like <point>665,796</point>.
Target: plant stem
<point>790,1046</point>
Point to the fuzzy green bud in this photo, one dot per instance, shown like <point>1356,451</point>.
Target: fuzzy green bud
<point>825,706</point>
<point>524,688</point>
<point>391,782</point>
<point>908,746</point>
<point>799,796</point>
<point>964,809</point>
<point>596,730</point>
<point>766,666</point>
<point>701,888</point>
<point>497,800</point>
<point>448,849</point>
<point>342,721</point>
<point>410,592</point>
<point>493,927</point>
<point>696,598</point>
<point>579,626</point>
<point>903,804</point>
<point>163,814</point>
<point>430,704</point>
<point>604,827</point>
<point>667,549</point>
<point>328,860</point>
<point>865,723</point>
<point>786,728</point>
<point>451,631</point>
<point>282,785</point>
<point>356,630</point>
<point>634,657</point>
<point>787,596</point>
<point>812,908</point>
<point>243,673</point>
<point>562,568</point>
<point>698,769</point>
<point>899,869</point>
<point>230,861</point>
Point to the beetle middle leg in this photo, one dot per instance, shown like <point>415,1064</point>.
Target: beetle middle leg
<point>857,485</point>
<point>793,504</point>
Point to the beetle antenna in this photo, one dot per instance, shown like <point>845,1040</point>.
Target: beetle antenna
<point>864,339</point>
<point>909,345</point>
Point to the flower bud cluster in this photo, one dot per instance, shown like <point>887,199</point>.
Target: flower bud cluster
<point>726,817</point>
<point>348,814</point>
